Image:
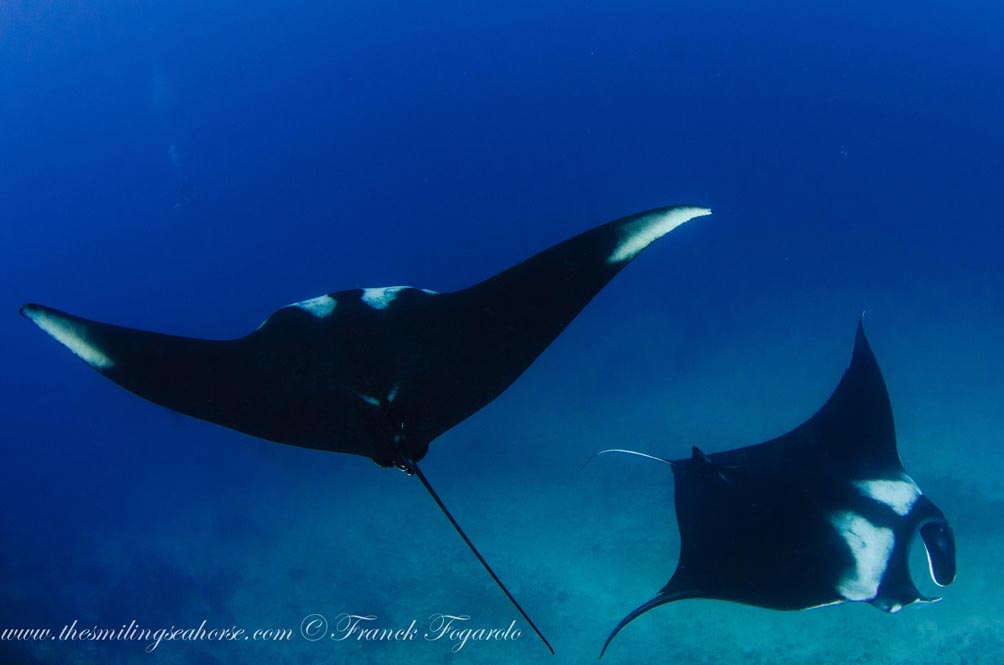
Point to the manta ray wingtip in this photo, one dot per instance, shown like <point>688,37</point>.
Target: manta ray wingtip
<point>68,331</point>
<point>662,598</point>
<point>641,230</point>
<point>691,211</point>
<point>694,209</point>
<point>862,347</point>
<point>30,310</point>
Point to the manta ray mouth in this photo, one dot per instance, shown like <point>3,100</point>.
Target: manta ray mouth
<point>940,546</point>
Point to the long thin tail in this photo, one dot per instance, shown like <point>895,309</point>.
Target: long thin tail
<point>627,452</point>
<point>442,506</point>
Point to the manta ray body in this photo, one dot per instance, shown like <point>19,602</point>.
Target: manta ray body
<point>821,515</point>
<point>373,372</point>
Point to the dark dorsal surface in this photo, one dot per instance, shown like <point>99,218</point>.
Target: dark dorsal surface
<point>824,514</point>
<point>372,372</point>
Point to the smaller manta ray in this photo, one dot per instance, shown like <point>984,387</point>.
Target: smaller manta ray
<point>373,372</point>
<point>821,515</point>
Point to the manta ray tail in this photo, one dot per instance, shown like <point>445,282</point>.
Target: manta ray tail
<point>661,599</point>
<point>449,516</point>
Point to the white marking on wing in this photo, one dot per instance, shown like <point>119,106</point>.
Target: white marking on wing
<point>321,306</point>
<point>871,547</point>
<point>900,495</point>
<point>642,232</point>
<point>70,335</point>
<point>381,297</point>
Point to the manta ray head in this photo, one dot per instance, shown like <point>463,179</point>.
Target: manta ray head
<point>897,588</point>
<point>938,540</point>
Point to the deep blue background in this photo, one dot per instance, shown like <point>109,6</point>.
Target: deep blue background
<point>853,154</point>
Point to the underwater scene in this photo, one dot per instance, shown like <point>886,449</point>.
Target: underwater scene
<point>749,252</point>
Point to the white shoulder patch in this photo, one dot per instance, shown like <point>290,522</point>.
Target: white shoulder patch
<point>381,297</point>
<point>642,232</point>
<point>900,495</point>
<point>321,306</point>
<point>69,335</point>
<point>871,546</point>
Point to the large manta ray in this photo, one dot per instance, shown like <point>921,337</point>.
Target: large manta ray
<point>373,372</point>
<point>821,515</point>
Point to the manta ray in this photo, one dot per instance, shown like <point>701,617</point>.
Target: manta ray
<point>821,515</point>
<point>376,372</point>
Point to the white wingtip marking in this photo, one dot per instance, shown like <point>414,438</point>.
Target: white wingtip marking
<point>69,335</point>
<point>642,232</point>
<point>871,546</point>
<point>321,306</point>
<point>900,495</point>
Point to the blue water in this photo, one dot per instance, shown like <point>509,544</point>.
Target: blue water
<point>190,167</point>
